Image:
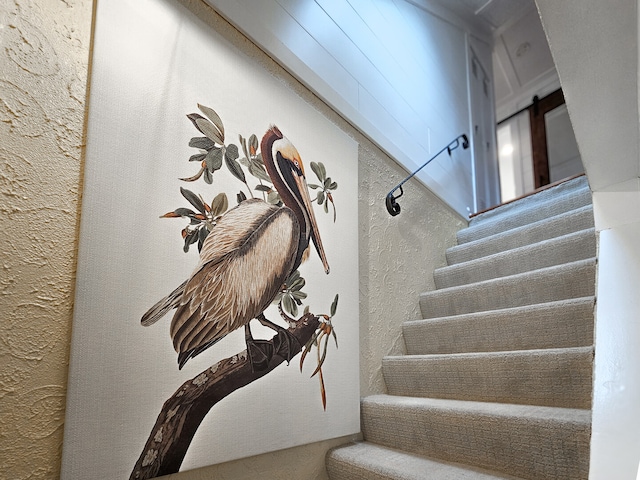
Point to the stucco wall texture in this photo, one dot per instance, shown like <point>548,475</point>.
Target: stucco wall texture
<point>44,64</point>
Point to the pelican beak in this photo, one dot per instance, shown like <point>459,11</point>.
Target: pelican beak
<point>301,182</point>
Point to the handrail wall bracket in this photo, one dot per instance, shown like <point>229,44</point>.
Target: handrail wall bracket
<point>392,206</point>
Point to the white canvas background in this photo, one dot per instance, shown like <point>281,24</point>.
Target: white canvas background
<point>153,62</point>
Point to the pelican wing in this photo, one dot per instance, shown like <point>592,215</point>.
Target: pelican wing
<point>244,262</point>
<point>163,307</point>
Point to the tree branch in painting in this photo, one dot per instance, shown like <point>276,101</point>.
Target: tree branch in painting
<point>182,414</point>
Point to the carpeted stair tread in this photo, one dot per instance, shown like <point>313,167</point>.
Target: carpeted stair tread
<point>564,189</point>
<point>558,377</point>
<point>527,441</point>
<point>555,251</point>
<point>564,323</point>
<point>528,210</point>
<point>368,461</point>
<point>560,282</point>
<point>562,224</point>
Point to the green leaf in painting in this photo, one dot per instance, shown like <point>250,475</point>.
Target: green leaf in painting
<point>320,197</point>
<point>215,118</point>
<point>208,178</point>
<point>202,235</point>
<point>232,151</point>
<point>288,304</point>
<point>293,277</point>
<point>203,143</point>
<point>193,199</point>
<point>334,305</point>
<point>184,212</point>
<point>234,167</point>
<point>193,117</point>
<point>219,204</point>
<point>263,188</point>
<point>253,145</point>
<point>191,238</point>
<point>241,197</point>
<point>206,127</point>
<point>299,295</point>
<point>297,284</point>
<point>214,159</point>
<point>316,169</point>
<point>257,170</point>
<point>243,144</point>
<point>210,130</point>
<point>198,157</point>
<point>323,171</point>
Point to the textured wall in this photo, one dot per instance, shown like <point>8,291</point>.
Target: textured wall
<point>43,63</point>
<point>43,68</point>
<point>397,259</point>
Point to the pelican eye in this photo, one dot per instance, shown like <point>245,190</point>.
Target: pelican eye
<point>299,167</point>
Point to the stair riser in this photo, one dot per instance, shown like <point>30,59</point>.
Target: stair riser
<point>553,325</point>
<point>541,286</point>
<point>565,249</point>
<point>554,378</point>
<point>535,213</point>
<point>574,221</point>
<point>520,446</point>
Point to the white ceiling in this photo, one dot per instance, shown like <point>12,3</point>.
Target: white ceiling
<point>522,62</point>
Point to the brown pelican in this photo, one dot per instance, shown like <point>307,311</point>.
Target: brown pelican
<point>245,260</point>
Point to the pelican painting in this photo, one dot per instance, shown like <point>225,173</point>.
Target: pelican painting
<point>245,261</point>
<point>195,234</point>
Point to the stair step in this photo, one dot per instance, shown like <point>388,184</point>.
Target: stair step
<point>522,440</point>
<point>565,323</point>
<point>562,189</point>
<point>556,251</point>
<point>368,461</point>
<point>531,209</point>
<point>559,377</point>
<point>571,280</point>
<point>563,224</point>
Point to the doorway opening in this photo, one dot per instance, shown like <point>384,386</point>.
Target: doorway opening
<point>536,147</point>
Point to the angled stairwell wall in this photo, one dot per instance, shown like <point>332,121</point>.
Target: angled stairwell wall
<point>497,378</point>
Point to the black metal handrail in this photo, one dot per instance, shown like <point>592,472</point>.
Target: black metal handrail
<point>392,206</point>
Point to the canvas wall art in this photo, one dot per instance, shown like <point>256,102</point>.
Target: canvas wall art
<point>216,311</point>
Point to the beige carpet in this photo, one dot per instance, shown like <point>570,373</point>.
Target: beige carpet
<point>497,378</point>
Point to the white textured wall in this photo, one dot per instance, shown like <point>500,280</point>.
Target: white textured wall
<point>43,65</point>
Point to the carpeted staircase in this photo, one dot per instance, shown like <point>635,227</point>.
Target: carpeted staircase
<point>497,378</point>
